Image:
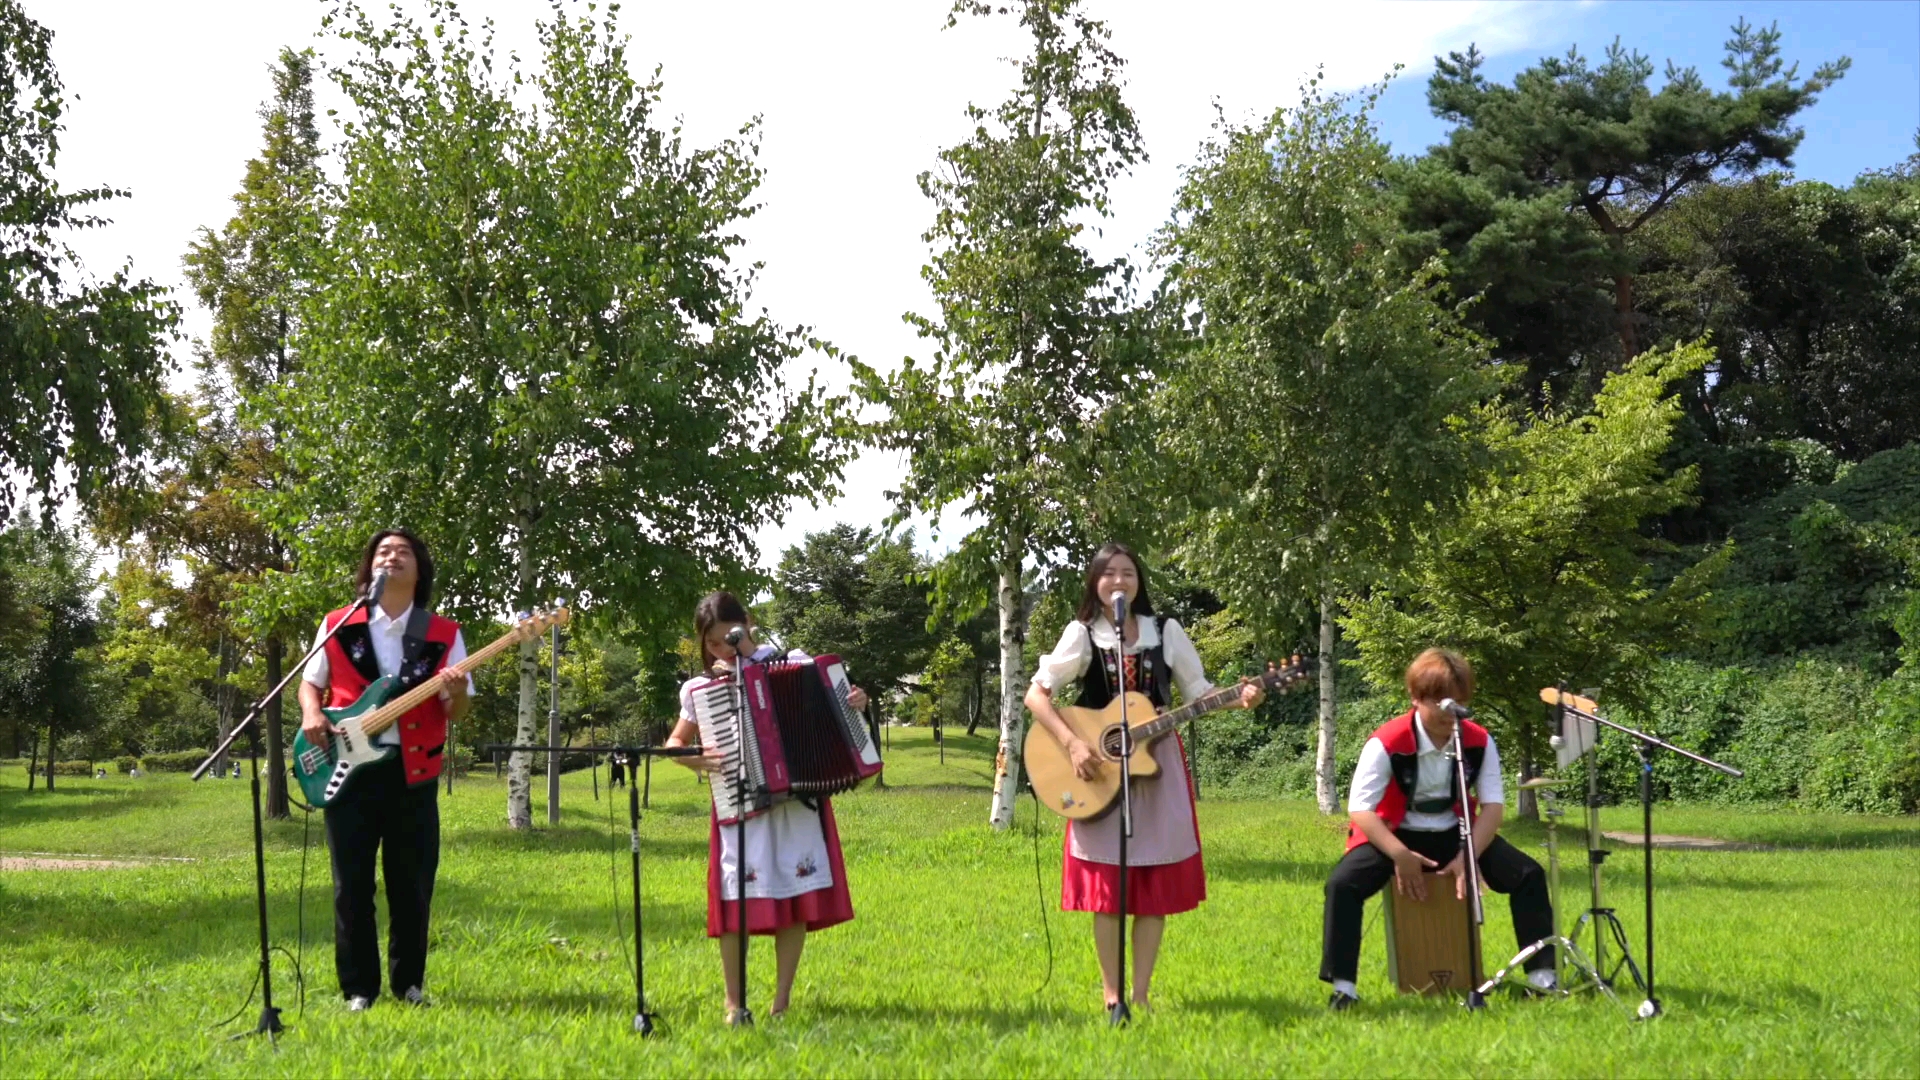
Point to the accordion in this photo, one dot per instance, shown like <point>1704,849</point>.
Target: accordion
<point>801,737</point>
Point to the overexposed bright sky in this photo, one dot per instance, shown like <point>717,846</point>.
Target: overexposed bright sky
<point>857,98</point>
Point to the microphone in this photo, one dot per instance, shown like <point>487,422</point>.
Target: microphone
<point>1459,711</point>
<point>377,588</point>
<point>734,637</point>
<point>1119,608</point>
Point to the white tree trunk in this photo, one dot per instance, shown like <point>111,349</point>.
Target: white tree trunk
<point>519,764</point>
<point>1324,780</point>
<point>1013,686</point>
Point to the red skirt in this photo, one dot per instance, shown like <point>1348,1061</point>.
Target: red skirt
<point>818,909</point>
<point>1167,889</point>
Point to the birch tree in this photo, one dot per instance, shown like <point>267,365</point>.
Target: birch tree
<point>1312,418</point>
<point>1033,340</point>
<point>528,340</point>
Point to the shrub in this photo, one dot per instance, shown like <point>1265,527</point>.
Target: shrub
<point>125,763</point>
<point>175,761</point>
<point>73,768</point>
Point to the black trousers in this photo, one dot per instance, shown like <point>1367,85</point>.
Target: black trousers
<point>380,814</point>
<point>1366,870</point>
<point>616,774</point>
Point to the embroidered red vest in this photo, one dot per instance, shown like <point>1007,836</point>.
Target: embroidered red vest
<point>1403,757</point>
<point>352,668</point>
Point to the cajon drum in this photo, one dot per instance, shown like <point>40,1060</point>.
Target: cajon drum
<point>1427,950</point>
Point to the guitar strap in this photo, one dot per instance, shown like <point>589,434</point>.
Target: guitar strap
<point>413,640</point>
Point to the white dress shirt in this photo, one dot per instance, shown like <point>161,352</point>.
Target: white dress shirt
<point>388,634</point>
<point>1374,772</point>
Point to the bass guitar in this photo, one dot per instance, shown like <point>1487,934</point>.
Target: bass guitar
<point>1061,790</point>
<point>325,771</point>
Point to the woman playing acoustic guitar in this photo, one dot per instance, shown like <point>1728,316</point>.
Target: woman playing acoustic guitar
<point>1164,871</point>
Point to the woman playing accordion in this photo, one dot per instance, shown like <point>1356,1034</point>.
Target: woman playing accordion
<point>796,878</point>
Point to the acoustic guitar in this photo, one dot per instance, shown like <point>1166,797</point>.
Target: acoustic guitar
<point>1061,790</point>
<point>325,771</point>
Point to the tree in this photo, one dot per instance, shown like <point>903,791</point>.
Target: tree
<point>523,334</point>
<point>162,658</point>
<point>1035,344</point>
<point>1543,575</point>
<point>83,364</point>
<point>1541,186</point>
<point>48,674</point>
<point>858,594</point>
<point>1808,296</point>
<point>249,276</point>
<point>1314,417</point>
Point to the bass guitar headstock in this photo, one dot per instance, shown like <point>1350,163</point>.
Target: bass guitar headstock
<point>537,622</point>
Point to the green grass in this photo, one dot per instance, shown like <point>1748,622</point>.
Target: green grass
<point>1799,961</point>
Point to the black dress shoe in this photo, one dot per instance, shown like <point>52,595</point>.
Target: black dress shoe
<point>1340,1002</point>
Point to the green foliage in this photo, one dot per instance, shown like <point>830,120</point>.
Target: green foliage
<point>528,307</point>
<point>50,677</point>
<point>161,658</point>
<point>1309,424</point>
<point>1543,574</point>
<point>1810,295</point>
<point>1815,735</point>
<point>83,365</point>
<point>177,761</point>
<point>1540,185</point>
<point>1034,341</point>
<point>862,595</point>
<point>1824,569</point>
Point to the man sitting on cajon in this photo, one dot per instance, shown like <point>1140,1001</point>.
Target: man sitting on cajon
<point>1404,819</point>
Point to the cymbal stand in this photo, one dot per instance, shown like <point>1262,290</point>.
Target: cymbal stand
<point>1567,955</point>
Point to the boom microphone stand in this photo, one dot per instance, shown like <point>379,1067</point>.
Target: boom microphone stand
<point>644,1019</point>
<point>269,1023</point>
<point>1587,710</point>
<point>1120,1014</point>
<point>1476,913</point>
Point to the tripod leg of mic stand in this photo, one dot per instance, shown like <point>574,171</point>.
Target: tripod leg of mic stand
<point>269,1023</point>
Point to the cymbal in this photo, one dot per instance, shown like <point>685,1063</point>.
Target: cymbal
<point>1542,782</point>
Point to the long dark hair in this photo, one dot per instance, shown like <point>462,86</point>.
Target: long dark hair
<point>1092,603</point>
<point>422,589</point>
<point>716,608</point>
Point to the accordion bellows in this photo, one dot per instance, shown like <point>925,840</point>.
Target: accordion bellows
<point>798,738</point>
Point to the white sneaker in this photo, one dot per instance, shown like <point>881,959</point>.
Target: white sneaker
<point>356,1003</point>
<point>415,996</point>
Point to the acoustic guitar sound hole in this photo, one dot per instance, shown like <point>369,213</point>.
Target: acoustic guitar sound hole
<point>1110,742</point>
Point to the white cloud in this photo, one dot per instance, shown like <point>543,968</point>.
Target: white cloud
<point>857,99</point>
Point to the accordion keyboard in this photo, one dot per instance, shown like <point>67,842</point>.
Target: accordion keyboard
<point>716,712</point>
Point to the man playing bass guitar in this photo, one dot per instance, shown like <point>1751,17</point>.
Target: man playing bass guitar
<point>394,802</point>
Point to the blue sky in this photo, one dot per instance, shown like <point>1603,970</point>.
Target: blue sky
<point>1865,121</point>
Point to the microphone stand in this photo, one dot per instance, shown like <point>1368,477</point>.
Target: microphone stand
<point>743,1018</point>
<point>269,1023</point>
<point>1120,1014</point>
<point>1476,913</point>
<point>1649,1008</point>
<point>644,1019</point>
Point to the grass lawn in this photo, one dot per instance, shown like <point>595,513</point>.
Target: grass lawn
<point>1794,962</point>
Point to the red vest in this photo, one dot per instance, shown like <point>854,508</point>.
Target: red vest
<point>351,668</point>
<point>1403,754</point>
